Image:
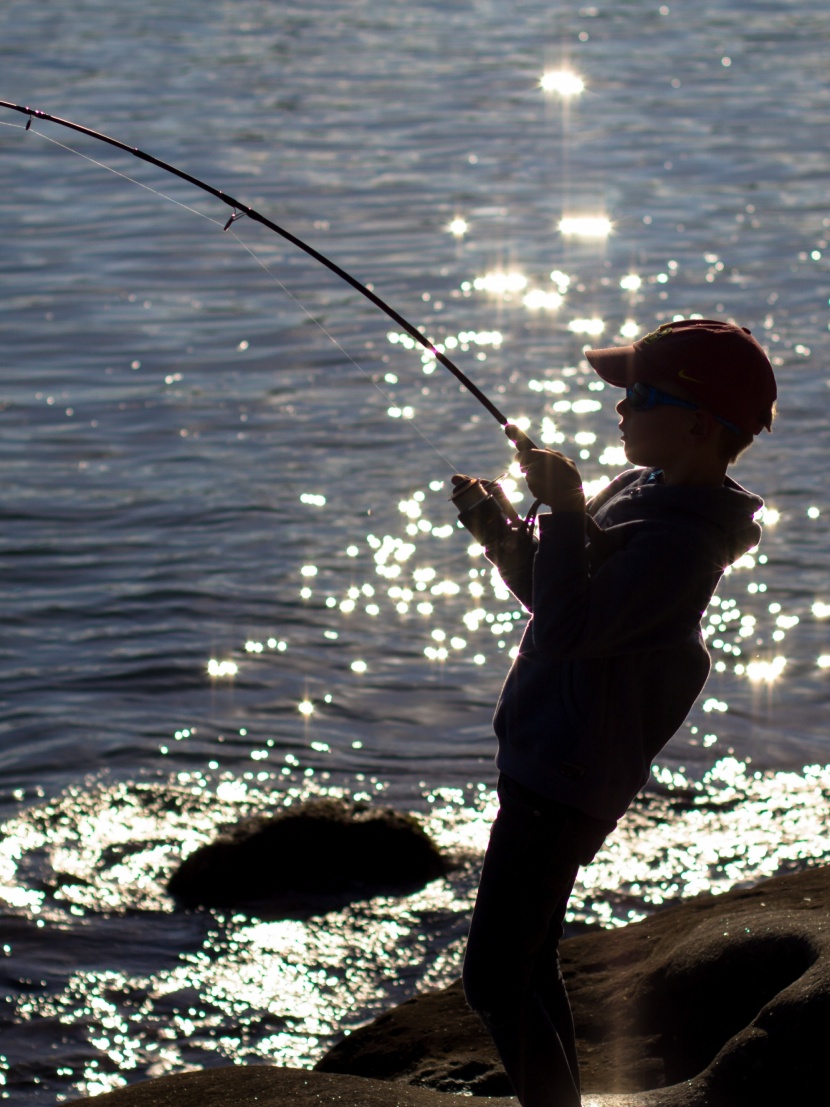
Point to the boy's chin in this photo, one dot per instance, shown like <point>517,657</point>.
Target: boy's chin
<point>639,457</point>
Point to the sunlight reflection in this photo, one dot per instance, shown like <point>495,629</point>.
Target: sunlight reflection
<point>714,833</point>
<point>591,327</point>
<point>631,283</point>
<point>613,456</point>
<point>766,671</point>
<point>279,991</point>
<point>458,227</point>
<point>547,386</point>
<point>221,669</point>
<point>537,298</point>
<point>463,341</point>
<point>594,487</point>
<point>500,283</point>
<point>563,81</point>
<point>586,226</point>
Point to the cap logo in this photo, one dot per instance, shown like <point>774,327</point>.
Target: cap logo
<point>684,376</point>
<point>662,331</point>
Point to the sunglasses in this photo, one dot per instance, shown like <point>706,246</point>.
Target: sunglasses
<point>644,397</point>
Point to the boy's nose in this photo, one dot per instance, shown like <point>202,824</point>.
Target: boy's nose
<point>622,406</point>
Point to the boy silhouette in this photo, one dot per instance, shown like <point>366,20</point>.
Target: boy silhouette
<point>610,663</point>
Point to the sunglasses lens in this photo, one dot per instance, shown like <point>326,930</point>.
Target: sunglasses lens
<point>639,397</point>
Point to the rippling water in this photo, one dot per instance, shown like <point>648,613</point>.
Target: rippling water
<point>230,573</point>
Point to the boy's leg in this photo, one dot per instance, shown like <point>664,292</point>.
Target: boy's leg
<point>511,970</point>
<point>554,996</point>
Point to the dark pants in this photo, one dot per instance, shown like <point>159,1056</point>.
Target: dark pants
<point>511,968</point>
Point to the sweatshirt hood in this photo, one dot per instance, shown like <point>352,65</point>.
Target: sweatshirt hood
<point>728,512</point>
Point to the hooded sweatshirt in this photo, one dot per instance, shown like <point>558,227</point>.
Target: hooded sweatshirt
<point>612,657</point>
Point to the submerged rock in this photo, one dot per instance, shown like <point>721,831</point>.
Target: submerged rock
<point>311,857</point>
<point>723,1001</point>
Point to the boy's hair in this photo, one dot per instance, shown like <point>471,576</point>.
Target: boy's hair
<point>731,444</point>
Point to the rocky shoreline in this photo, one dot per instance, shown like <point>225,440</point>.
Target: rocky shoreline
<point>723,1001</point>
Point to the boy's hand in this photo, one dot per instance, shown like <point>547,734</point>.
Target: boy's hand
<point>551,477</point>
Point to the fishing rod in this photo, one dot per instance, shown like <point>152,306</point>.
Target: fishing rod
<point>239,210</point>
<point>471,497</point>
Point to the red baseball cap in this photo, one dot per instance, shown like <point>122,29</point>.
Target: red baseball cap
<point>719,364</point>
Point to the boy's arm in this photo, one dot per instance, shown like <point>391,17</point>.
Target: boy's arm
<point>514,560</point>
<point>553,479</point>
<point>644,594</point>
<point>652,588</point>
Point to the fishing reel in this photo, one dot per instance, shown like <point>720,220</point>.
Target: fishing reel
<point>484,509</point>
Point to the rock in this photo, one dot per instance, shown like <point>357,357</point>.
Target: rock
<point>434,1040</point>
<point>310,858</point>
<point>264,1086</point>
<point>267,1086</point>
<point>722,1001</point>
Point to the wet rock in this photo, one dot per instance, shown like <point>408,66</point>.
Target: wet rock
<point>723,1001</point>
<point>310,858</point>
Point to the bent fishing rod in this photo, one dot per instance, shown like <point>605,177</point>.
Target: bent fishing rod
<point>239,210</point>
<point>477,501</point>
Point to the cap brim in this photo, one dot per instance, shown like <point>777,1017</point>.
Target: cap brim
<point>615,364</point>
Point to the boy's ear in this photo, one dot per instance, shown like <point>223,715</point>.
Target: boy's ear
<point>704,426</point>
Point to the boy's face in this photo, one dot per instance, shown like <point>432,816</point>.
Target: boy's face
<point>659,437</point>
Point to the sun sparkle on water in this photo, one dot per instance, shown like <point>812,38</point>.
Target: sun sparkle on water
<point>114,848</point>
<point>592,327</point>
<point>586,226</point>
<point>500,283</point>
<point>562,81</point>
<point>222,668</point>
<point>538,298</point>
<point>632,282</point>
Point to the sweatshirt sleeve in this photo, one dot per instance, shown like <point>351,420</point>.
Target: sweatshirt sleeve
<point>515,562</point>
<point>655,586</point>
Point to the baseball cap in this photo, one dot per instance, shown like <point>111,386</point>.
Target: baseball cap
<point>720,365</point>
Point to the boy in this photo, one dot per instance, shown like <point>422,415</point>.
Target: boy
<point>611,661</point>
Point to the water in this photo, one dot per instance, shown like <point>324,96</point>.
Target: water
<point>196,472</point>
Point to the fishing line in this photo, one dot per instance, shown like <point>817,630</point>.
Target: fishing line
<point>217,223</point>
<point>265,267</point>
<point>409,419</point>
<point>115,172</point>
<point>239,210</point>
